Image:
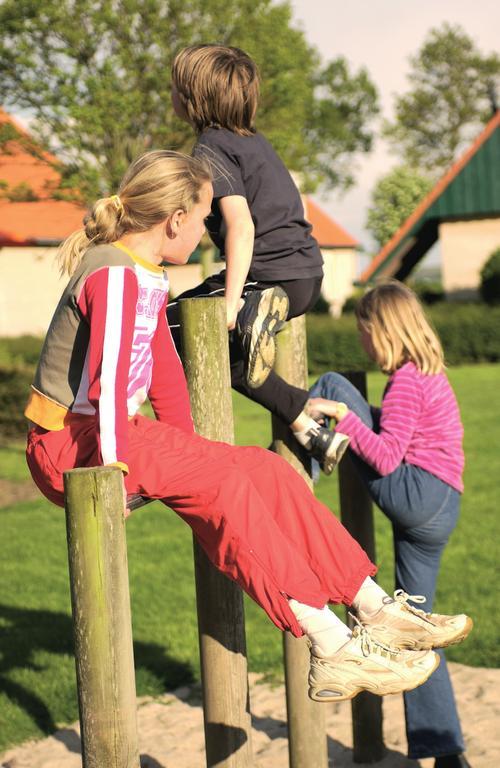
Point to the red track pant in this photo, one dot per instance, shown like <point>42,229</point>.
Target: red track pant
<point>252,513</point>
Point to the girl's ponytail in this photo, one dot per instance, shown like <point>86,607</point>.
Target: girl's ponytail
<point>102,225</point>
<point>155,185</point>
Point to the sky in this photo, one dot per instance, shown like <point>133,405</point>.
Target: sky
<point>381,35</point>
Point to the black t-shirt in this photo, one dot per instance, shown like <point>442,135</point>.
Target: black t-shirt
<point>284,248</point>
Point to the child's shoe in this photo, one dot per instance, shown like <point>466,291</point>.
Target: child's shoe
<point>363,664</point>
<point>327,447</point>
<point>261,317</point>
<point>399,625</point>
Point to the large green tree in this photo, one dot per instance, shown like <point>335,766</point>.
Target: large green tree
<point>450,98</point>
<point>394,197</point>
<point>95,76</point>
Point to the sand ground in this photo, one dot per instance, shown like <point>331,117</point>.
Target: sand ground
<point>171,729</point>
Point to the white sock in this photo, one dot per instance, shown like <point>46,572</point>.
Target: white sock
<point>326,632</point>
<point>370,597</point>
<point>303,436</point>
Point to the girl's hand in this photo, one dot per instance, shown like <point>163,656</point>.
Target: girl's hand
<point>319,406</point>
<point>126,510</point>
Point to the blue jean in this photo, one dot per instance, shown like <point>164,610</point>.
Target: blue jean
<point>423,511</point>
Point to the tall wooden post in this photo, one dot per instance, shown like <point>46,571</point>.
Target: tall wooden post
<point>357,516</point>
<point>206,259</point>
<point>97,554</point>
<point>220,601</point>
<point>306,719</point>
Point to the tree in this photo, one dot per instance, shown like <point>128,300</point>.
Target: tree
<point>394,198</point>
<point>490,279</point>
<point>452,87</point>
<point>96,78</point>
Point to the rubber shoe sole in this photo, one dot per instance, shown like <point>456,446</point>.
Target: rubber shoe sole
<point>271,315</point>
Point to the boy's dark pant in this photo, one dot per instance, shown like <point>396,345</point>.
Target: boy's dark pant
<point>282,399</point>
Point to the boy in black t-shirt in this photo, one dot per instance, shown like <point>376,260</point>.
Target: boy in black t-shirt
<point>273,263</point>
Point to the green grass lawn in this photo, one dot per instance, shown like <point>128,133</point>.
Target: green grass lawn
<point>37,677</point>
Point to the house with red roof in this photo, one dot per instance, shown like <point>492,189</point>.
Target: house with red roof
<point>462,212</point>
<point>33,222</point>
<point>340,256</point>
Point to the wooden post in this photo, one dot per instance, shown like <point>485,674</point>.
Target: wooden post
<point>307,744</point>
<point>220,602</point>
<point>97,554</point>
<point>206,259</point>
<point>357,516</point>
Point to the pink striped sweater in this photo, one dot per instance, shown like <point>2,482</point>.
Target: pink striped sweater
<point>419,424</point>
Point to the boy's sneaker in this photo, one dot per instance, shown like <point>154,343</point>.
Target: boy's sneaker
<point>399,625</point>
<point>261,317</point>
<point>363,664</point>
<point>327,447</point>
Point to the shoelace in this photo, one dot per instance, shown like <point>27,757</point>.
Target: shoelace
<point>400,596</point>
<point>368,644</point>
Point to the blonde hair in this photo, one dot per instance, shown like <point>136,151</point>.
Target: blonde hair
<point>218,86</point>
<point>399,331</point>
<point>154,186</point>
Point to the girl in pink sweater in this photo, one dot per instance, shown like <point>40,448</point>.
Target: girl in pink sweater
<point>409,455</point>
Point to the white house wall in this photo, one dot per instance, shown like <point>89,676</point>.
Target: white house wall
<point>30,288</point>
<point>340,268</point>
<point>465,247</point>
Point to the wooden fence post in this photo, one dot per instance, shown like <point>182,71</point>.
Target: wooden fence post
<point>357,516</point>
<point>307,744</point>
<point>220,601</point>
<point>97,554</point>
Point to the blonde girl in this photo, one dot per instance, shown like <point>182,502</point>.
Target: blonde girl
<point>108,348</point>
<point>409,455</point>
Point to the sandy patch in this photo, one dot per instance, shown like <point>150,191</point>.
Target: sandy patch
<point>171,729</point>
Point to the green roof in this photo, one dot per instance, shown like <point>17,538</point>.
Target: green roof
<point>469,190</point>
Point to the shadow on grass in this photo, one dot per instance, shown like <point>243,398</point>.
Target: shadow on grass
<point>26,631</point>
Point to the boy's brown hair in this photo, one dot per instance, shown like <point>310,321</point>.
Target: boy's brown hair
<point>218,86</point>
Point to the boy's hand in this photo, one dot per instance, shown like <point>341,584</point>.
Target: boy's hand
<point>232,314</point>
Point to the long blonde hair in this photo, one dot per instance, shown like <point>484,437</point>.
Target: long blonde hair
<point>399,331</point>
<point>218,86</point>
<point>154,186</point>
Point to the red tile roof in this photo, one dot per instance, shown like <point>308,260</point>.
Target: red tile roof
<point>429,199</point>
<point>27,223</point>
<point>327,232</point>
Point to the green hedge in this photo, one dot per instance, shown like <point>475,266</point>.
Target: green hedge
<point>470,333</point>
<point>14,390</point>
<point>18,357</point>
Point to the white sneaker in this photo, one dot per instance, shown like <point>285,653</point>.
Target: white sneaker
<point>363,664</point>
<point>399,625</point>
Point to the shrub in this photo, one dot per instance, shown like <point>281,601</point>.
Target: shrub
<point>332,344</point>
<point>14,390</point>
<point>490,279</point>
<point>20,352</point>
<point>470,333</point>
<point>18,357</point>
<point>428,291</point>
